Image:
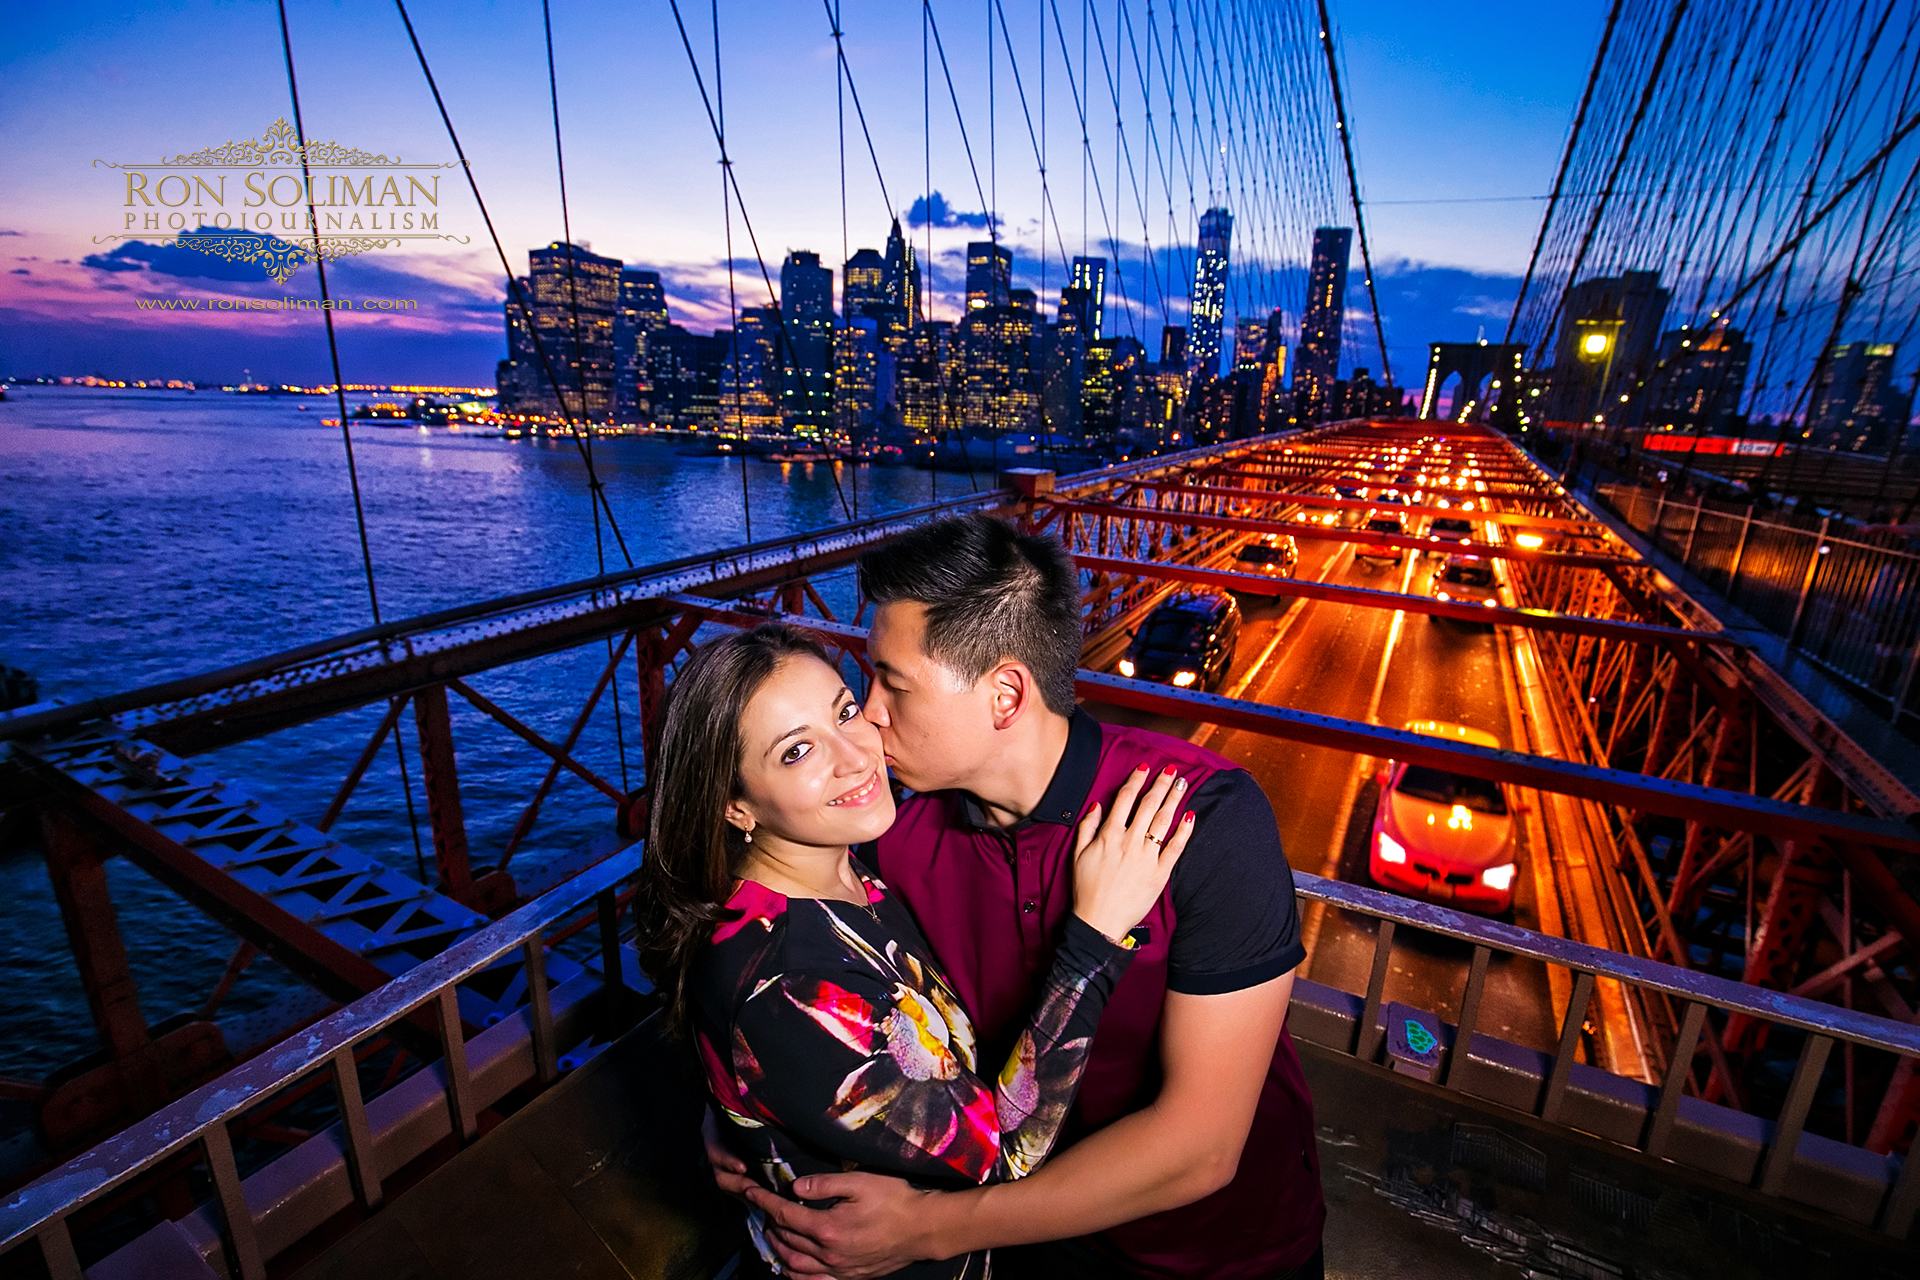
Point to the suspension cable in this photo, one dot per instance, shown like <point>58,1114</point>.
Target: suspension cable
<point>326,312</point>
<point>346,432</point>
<point>513,283</point>
<point>1353,185</point>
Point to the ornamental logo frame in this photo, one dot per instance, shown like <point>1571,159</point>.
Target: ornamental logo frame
<point>231,201</point>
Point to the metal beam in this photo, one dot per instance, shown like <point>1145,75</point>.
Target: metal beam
<point>441,780</point>
<point>1367,597</point>
<point>1411,542</point>
<point>1591,527</point>
<point>1734,810</point>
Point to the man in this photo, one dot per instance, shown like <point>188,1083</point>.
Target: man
<point>1191,1150</point>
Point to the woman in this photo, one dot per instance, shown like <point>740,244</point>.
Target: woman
<point>829,1037</point>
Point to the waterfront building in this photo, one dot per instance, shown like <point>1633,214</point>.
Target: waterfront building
<point>863,377</point>
<point>1318,367</point>
<point>1090,275</point>
<point>998,389</point>
<point>1063,355</point>
<point>750,380</point>
<point>684,371</point>
<point>1209,293</point>
<point>924,380</point>
<point>1857,406</point>
<point>806,307</point>
<point>639,317</point>
<point>573,295</point>
<point>989,275</point>
<point>863,283</point>
<point>1110,404</point>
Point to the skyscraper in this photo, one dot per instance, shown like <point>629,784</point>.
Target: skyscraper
<point>902,278</point>
<point>863,283</point>
<point>1091,274</point>
<point>1856,404</point>
<point>750,379</point>
<point>1698,379</point>
<point>639,316</point>
<point>806,305</point>
<point>1318,367</point>
<point>989,275</point>
<point>1209,292</point>
<point>569,291</point>
<point>1249,342</point>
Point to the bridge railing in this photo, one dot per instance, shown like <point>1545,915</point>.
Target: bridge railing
<point>1777,1157</point>
<point>1843,602</point>
<point>373,1140</point>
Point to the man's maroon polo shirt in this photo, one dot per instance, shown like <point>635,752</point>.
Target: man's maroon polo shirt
<point>992,902</point>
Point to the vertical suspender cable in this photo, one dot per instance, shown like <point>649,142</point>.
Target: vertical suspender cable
<point>340,400</point>
<point>514,292</point>
<point>584,427</point>
<point>1353,186</point>
<point>326,312</point>
<point>733,300</point>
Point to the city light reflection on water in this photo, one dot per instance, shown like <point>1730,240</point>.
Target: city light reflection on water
<point>146,535</point>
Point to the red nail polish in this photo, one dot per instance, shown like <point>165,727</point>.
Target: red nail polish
<point>1141,769</point>
<point>1170,770</point>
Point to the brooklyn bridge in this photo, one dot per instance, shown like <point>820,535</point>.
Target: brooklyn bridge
<point>1636,585</point>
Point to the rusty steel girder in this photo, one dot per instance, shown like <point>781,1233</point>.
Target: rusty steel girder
<point>1324,533</point>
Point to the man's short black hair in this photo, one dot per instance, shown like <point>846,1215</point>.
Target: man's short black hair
<point>991,593</point>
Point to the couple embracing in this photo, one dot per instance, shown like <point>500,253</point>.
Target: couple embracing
<point>1067,935</point>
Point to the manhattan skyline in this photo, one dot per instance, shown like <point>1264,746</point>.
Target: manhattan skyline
<point>1445,269</point>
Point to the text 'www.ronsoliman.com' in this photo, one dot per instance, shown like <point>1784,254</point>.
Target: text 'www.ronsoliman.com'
<point>276,304</point>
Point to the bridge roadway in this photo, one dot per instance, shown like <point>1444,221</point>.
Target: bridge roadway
<point>1371,664</point>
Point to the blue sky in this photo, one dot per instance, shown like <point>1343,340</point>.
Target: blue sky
<point>1458,107</point>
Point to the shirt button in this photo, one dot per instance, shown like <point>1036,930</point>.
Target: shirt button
<point>1029,906</point>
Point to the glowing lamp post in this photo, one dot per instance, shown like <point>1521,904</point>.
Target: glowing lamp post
<point>1595,341</point>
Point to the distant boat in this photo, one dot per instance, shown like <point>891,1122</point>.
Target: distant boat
<point>802,455</point>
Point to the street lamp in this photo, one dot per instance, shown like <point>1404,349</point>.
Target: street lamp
<point>1595,342</point>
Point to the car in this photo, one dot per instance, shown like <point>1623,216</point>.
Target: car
<point>1379,521</point>
<point>1448,529</point>
<point>1187,642</point>
<point>1465,579</point>
<point>1441,835</point>
<point>1273,556</point>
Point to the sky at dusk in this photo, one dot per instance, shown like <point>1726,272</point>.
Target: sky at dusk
<point>1459,112</point>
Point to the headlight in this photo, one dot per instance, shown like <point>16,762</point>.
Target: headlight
<point>1441,595</point>
<point>1531,541</point>
<point>1392,850</point>
<point>1181,679</point>
<point>1499,879</point>
<point>1126,667</point>
<point>1491,604</point>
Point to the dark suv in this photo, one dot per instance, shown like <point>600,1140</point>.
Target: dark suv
<point>1186,642</point>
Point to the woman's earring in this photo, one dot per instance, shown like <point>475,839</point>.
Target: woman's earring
<point>747,836</point>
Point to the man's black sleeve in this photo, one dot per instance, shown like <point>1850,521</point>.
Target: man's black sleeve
<point>1235,921</point>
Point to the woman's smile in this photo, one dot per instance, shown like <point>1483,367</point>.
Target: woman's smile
<point>860,795</point>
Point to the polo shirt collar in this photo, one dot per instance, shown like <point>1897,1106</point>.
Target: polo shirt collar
<point>1072,781</point>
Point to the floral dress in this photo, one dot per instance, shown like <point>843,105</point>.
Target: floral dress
<point>831,1041</point>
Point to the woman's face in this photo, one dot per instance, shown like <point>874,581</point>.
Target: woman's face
<point>813,771</point>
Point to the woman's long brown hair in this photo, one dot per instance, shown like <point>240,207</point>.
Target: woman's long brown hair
<point>693,853</point>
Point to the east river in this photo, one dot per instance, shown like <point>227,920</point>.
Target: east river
<point>146,535</point>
